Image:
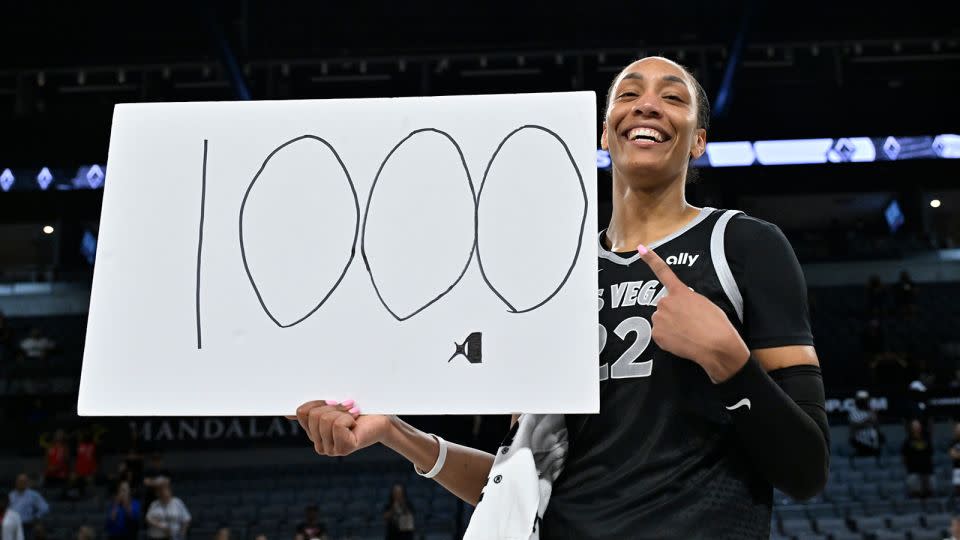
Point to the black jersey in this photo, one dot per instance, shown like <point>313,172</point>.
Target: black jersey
<point>661,460</point>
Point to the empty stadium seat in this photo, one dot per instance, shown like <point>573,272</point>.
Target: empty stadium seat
<point>854,477</point>
<point>811,537</point>
<point>869,524</point>
<point>831,525</point>
<point>822,510</point>
<point>940,522</point>
<point>846,536</point>
<point>904,522</point>
<point>837,492</point>
<point>934,506</point>
<point>925,534</point>
<point>894,488</point>
<point>793,527</point>
<point>877,508</point>
<point>791,512</point>
<point>884,534</point>
<point>909,506</point>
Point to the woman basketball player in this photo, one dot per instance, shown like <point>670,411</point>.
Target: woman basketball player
<point>726,401</point>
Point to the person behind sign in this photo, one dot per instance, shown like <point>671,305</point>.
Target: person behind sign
<point>123,515</point>
<point>311,527</point>
<point>917,453</point>
<point>710,396</point>
<point>29,504</point>
<point>398,515</point>
<point>10,526</point>
<point>57,468</point>
<point>865,435</point>
<point>167,517</point>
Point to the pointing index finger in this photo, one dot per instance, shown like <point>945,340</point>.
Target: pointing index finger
<point>660,269</point>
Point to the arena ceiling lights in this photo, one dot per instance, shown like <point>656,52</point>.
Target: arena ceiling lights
<point>821,151</point>
<point>718,154</point>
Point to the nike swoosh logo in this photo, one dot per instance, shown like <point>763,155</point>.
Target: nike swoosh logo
<point>739,404</point>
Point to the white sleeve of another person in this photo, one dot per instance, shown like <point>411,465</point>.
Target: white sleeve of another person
<point>153,513</point>
<point>12,527</point>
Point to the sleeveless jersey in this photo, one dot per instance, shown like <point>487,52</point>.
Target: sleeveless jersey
<point>661,460</point>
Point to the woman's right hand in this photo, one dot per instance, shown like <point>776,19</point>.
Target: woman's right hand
<point>338,429</point>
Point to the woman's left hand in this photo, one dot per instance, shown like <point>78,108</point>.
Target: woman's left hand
<point>688,325</point>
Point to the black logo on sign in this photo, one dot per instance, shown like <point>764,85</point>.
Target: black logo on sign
<point>471,348</point>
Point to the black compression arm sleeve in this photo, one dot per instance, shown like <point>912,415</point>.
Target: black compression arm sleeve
<point>782,423</point>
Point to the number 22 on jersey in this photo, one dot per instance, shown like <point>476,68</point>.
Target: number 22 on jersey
<point>626,366</point>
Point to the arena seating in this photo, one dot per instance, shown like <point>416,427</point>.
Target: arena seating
<point>866,499</point>
<point>837,314</point>
<point>271,501</point>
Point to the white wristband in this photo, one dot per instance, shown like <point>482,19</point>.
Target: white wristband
<point>440,459</point>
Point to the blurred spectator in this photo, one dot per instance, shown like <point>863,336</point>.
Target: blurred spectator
<point>167,517</point>
<point>260,537</point>
<point>918,460</point>
<point>917,404</point>
<point>10,526</point>
<point>311,528</point>
<point>955,457</point>
<point>955,528</point>
<point>30,505</point>
<point>398,515</point>
<point>155,475</point>
<point>37,346</point>
<point>885,366</point>
<point>134,458</point>
<point>85,532</point>
<point>905,294</point>
<point>122,474</point>
<point>223,533</point>
<point>85,465</point>
<point>865,436</point>
<point>876,298</point>
<point>123,516</point>
<point>58,460</point>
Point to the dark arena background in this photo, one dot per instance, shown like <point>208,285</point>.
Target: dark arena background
<point>838,122</point>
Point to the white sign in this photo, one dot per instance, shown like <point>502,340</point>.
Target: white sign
<point>418,255</point>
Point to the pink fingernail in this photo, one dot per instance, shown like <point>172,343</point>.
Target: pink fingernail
<point>347,404</point>
<point>331,402</point>
<point>642,249</point>
<point>354,411</point>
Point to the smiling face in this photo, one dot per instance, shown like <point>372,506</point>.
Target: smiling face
<point>651,126</point>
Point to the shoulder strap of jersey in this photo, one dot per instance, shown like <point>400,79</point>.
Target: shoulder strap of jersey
<point>720,264</point>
